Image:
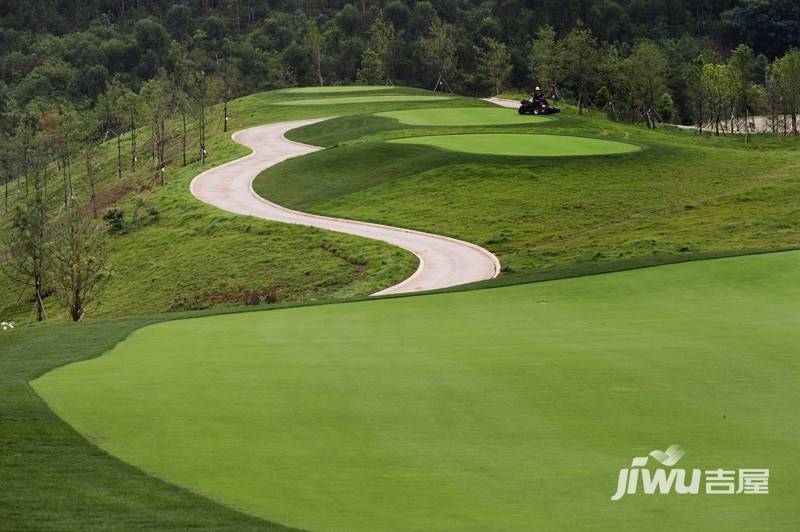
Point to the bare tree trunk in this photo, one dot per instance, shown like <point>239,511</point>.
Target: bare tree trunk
<point>90,176</point>
<point>238,24</point>
<point>133,143</point>
<point>202,133</point>
<point>184,138</point>
<point>119,156</point>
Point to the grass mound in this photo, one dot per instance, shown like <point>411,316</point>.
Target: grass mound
<point>492,409</point>
<point>521,145</point>
<point>349,100</point>
<point>462,116</point>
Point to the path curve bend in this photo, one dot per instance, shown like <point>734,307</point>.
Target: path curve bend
<point>443,261</point>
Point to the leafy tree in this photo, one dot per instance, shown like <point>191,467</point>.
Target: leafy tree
<point>150,35</point>
<point>159,99</point>
<point>743,71</point>
<point>381,41</point>
<point>495,64</point>
<point>439,51</point>
<point>203,91</point>
<point>116,117</point>
<point>666,108</point>
<point>580,63</point>
<point>78,259</point>
<point>179,21</point>
<point>787,73</point>
<point>645,72</point>
<point>28,245</point>
<point>314,47</point>
<point>719,91</point>
<point>371,70</point>
<point>547,60</point>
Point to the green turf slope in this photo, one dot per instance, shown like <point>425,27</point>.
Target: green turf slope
<point>504,409</point>
<point>521,145</point>
<point>342,100</point>
<point>465,116</point>
<point>337,89</point>
<point>682,196</point>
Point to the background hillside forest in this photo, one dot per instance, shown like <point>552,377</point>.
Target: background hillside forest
<point>594,52</point>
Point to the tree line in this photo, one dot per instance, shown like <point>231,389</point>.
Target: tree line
<point>673,81</point>
<point>73,49</point>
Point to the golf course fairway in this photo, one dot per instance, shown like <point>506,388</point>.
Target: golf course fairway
<point>461,116</point>
<point>342,100</point>
<point>506,409</point>
<point>522,145</point>
<point>337,89</point>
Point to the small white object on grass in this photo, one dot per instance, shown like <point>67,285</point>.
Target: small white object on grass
<point>7,325</point>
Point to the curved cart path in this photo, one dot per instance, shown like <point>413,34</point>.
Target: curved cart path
<point>443,261</point>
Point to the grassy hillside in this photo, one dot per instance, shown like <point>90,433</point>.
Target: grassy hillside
<point>196,256</point>
<point>680,197</point>
<point>511,409</point>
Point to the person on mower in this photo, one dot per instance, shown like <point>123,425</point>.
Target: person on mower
<point>537,95</point>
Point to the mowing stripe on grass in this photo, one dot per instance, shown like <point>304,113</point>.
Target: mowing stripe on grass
<point>330,90</point>
<point>343,100</point>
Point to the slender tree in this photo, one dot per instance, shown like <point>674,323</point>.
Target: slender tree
<point>495,64</point>
<point>645,69</point>
<point>28,244</point>
<point>203,91</point>
<point>116,116</point>
<point>313,42</point>
<point>580,62</point>
<point>547,60</point>
<point>159,98</point>
<point>439,52</point>
<point>79,260</point>
<point>718,90</point>
<point>743,71</point>
<point>787,73</point>
<point>382,37</point>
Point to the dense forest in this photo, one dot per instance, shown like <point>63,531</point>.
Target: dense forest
<point>73,50</point>
<point>75,72</point>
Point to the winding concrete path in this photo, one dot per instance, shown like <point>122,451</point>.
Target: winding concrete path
<point>443,261</point>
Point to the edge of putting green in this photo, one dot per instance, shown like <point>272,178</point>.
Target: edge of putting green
<point>430,141</point>
<point>407,117</point>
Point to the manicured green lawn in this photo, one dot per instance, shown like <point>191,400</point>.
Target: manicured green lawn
<point>51,478</point>
<point>504,409</point>
<point>467,116</point>
<point>521,145</point>
<point>349,100</point>
<point>336,89</point>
